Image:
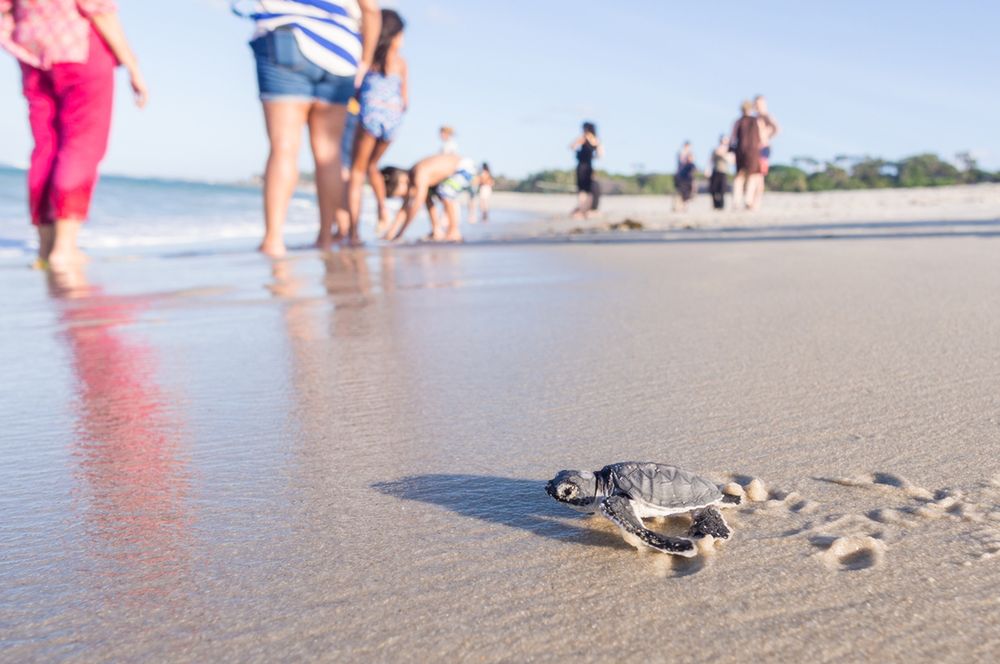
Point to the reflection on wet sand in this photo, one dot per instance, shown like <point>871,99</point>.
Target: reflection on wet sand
<point>131,478</point>
<point>354,378</point>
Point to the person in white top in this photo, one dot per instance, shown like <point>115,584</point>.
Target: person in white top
<point>448,143</point>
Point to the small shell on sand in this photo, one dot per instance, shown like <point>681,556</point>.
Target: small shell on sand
<point>756,491</point>
<point>733,489</point>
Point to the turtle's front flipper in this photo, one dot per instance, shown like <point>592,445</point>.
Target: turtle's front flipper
<point>619,510</point>
<point>709,521</point>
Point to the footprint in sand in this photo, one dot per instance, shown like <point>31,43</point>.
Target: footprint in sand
<point>851,553</point>
<point>979,505</point>
<point>856,542</point>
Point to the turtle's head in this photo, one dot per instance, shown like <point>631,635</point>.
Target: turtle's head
<point>576,489</point>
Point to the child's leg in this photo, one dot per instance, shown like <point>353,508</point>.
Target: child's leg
<point>432,212</point>
<point>378,184</point>
<point>451,209</point>
<point>364,146</point>
<point>326,124</point>
<point>472,209</point>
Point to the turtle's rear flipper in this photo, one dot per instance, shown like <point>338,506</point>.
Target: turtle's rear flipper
<point>709,521</point>
<point>618,509</point>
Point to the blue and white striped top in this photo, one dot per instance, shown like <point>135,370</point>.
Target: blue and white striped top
<point>327,31</point>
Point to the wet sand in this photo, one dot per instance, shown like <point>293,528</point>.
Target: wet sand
<point>210,458</point>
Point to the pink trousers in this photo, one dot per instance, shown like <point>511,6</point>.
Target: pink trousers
<point>69,108</point>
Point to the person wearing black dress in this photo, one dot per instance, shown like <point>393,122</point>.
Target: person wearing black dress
<point>587,146</point>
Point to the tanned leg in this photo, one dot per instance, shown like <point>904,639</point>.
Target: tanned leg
<point>451,209</point>
<point>378,185</point>
<point>284,120</point>
<point>326,127</point>
<point>364,147</point>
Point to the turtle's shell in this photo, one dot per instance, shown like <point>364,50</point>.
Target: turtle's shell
<point>664,486</point>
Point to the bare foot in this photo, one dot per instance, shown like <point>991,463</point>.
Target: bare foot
<point>327,243</point>
<point>453,237</point>
<point>577,215</point>
<point>273,249</point>
<point>68,281</point>
<point>61,259</point>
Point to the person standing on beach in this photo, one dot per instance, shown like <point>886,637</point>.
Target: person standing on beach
<point>383,99</point>
<point>745,142</point>
<point>587,146</point>
<point>448,143</point>
<point>310,58</point>
<point>718,176</point>
<point>486,183</point>
<point>68,50</point>
<point>684,177</point>
<point>769,129</point>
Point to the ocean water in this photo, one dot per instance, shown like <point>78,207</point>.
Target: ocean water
<point>133,216</point>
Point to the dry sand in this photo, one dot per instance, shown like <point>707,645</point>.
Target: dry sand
<point>343,458</point>
<point>917,211</point>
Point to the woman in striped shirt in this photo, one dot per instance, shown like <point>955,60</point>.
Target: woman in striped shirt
<point>311,55</point>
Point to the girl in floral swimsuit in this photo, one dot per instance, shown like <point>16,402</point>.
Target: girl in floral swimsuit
<point>383,99</point>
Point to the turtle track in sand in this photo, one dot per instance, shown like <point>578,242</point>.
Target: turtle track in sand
<point>854,541</point>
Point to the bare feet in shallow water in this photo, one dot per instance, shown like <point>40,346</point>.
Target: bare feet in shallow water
<point>328,243</point>
<point>64,259</point>
<point>273,248</point>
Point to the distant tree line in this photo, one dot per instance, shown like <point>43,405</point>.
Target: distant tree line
<point>804,174</point>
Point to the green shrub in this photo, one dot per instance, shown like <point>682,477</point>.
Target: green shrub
<point>787,178</point>
<point>927,170</point>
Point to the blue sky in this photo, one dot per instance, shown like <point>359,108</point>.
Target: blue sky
<point>516,78</point>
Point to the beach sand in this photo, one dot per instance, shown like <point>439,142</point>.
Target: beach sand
<point>208,457</point>
<point>874,212</point>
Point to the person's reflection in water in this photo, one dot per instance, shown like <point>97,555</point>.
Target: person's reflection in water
<point>131,480</point>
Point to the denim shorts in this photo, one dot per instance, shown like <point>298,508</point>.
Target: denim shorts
<point>283,73</point>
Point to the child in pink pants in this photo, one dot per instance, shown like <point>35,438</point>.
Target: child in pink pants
<point>69,108</point>
<point>68,51</point>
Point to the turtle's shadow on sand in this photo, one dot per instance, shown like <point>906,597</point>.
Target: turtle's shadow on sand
<point>506,501</point>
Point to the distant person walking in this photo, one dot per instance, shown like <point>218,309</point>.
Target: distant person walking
<point>684,177</point>
<point>486,183</point>
<point>68,50</point>
<point>383,99</point>
<point>587,146</point>
<point>745,142</point>
<point>769,129</point>
<point>718,175</point>
<point>310,58</point>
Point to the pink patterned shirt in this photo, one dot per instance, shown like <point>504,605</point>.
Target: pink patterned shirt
<point>42,33</point>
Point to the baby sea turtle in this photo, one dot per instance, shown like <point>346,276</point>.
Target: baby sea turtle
<point>630,491</point>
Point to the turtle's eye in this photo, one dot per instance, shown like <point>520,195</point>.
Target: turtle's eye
<point>566,491</point>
